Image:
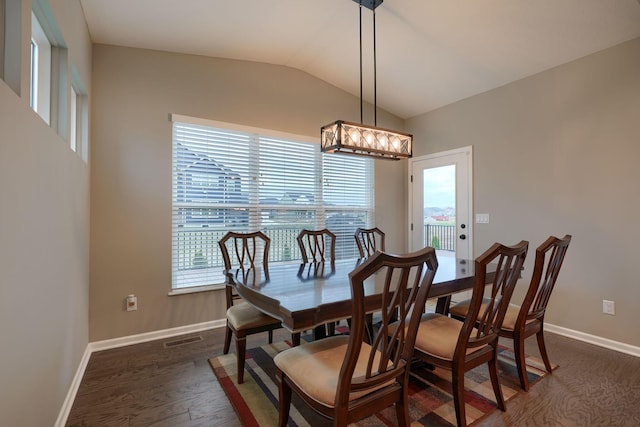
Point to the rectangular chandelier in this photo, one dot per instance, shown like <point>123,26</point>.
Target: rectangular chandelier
<point>354,138</point>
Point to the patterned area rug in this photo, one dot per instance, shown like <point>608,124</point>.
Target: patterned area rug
<point>430,404</point>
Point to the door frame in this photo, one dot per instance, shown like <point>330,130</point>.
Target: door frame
<point>468,153</point>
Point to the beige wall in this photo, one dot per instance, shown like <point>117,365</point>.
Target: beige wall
<point>558,153</point>
<point>44,243</point>
<point>554,153</point>
<point>134,92</point>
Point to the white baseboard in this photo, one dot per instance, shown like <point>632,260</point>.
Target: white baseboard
<point>593,339</point>
<point>73,389</point>
<point>155,335</point>
<point>182,330</point>
<point>121,342</point>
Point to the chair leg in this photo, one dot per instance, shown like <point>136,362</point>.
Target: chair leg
<point>241,347</point>
<point>495,382</point>
<point>284,397</point>
<point>270,337</point>
<point>457,381</point>
<point>402,410</point>
<point>521,364</point>
<point>543,350</point>
<point>331,329</point>
<point>227,340</point>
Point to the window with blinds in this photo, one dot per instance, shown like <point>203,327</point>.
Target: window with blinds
<point>230,178</point>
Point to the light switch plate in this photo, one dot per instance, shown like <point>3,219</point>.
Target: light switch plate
<point>608,307</point>
<point>482,218</point>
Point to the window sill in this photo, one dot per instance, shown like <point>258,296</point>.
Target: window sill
<point>196,289</point>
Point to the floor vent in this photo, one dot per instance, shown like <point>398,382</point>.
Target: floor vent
<point>183,341</point>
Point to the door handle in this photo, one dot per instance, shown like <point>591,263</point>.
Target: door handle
<point>463,236</point>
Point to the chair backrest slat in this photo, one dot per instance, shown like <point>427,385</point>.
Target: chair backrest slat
<point>314,243</point>
<point>549,258</point>
<point>250,250</point>
<point>369,240</point>
<point>405,282</point>
<point>485,317</point>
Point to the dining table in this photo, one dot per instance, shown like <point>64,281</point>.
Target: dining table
<point>306,296</point>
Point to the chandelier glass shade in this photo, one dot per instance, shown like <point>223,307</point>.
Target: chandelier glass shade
<point>353,138</point>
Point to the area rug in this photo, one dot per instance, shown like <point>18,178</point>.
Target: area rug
<point>430,404</point>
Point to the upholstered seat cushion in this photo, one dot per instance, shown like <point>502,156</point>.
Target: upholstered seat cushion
<point>510,318</point>
<point>315,367</point>
<point>438,335</point>
<point>460,309</point>
<point>245,316</point>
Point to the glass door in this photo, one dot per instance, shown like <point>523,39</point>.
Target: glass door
<point>441,203</point>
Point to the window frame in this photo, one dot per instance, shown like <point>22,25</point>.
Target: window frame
<point>73,119</point>
<point>310,209</point>
<point>11,44</point>
<point>40,76</point>
<point>78,116</point>
<point>3,31</point>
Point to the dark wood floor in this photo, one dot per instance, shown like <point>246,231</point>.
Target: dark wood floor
<point>150,385</point>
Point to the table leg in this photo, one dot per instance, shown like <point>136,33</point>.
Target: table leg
<point>442,306</point>
<point>319,332</point>
<point>295,339</point>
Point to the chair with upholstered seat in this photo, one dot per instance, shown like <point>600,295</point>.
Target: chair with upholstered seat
<point>352,379</point>
<point>318,246</point>
<point>463,345</point>
<point>369,240</point>
<point>528,319</point>
<point>250,250</point>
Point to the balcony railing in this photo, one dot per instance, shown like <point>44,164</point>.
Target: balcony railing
<point>197,247</point>
<point>442,237</point>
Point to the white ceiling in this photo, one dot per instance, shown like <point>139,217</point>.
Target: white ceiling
<point>430,53</point>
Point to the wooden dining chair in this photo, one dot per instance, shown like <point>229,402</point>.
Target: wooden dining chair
<point>350,378</point>
<point>523,321</point>
<point>369,240</point>
<point>249,250</point>
<point>459,346</point>
<point>317,245</point>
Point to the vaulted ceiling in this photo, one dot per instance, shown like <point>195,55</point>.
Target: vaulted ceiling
<point>430,53</point>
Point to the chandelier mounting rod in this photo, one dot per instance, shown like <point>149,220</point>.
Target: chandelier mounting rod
<point>372,4</point>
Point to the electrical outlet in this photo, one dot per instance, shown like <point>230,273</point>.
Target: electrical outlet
<point>608,307</point>
<point>132,303</point>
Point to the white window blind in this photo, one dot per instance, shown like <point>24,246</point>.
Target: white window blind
<point>236,180</point>
<point>348,198</point>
